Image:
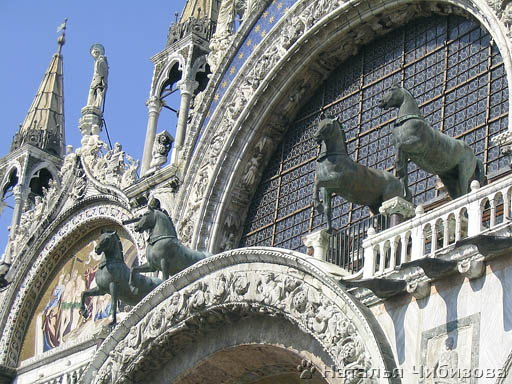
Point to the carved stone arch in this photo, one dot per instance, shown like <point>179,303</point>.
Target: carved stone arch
<point>162,70</point>
<point>13,166</point>
<point>305,62</point>
<point>220,293</point>
<point>36,266</point>
<point>50,167</point>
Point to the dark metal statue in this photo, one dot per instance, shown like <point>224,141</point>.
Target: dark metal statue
<point>453,160</point>
<point>164,251</point>
<point>113,275</point>
<point>337,173</point>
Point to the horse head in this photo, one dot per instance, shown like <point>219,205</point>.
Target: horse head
<point>147,221</point>
<point>108,243</point>
<point>393,98</point>
<point>331,133</point>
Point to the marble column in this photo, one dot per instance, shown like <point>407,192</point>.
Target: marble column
<point>187,88</point>
<point>319,241</point>
<point>154,105</point>
<point>18,208</point>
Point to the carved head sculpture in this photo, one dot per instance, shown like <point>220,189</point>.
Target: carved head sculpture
<point>97,50</point>
<point>393,98</point>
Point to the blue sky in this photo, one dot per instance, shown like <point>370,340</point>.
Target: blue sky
<point>131,31</point>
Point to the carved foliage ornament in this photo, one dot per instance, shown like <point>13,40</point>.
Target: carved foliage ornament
<point>272,293</point>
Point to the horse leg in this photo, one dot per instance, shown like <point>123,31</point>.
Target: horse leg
<point>146,267</point>
<point>165,268</point>
<point>327,208</point>
<point>316,201</point>
<point>96,291</point>
<point>401,161</point>
<point>113,304</point>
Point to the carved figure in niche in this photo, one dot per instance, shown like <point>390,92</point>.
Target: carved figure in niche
<point>447,364</point>
<point>113,275</point>
<point>99,81</point>
<point>337,173</point>
<point>164,252</point>
<point>161,148</point>
<point>270,289</point>
<point>452,160</point>
<point>251,170</point>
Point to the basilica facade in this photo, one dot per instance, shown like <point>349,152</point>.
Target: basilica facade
<point>254,289</point>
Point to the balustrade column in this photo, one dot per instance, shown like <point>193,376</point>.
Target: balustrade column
<point>392,260</point>
<point>369,255</point>
<point>433,238</point>
<point>154,107</point>
<point>474,213</point>
<point>458,226</point>
<point>492,202</point>
<point>446,232</point>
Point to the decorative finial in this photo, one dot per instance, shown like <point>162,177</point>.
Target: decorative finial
<point>176,14</point>
<point>61,39</point>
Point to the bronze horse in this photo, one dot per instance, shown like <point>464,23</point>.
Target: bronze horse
<point>435,152</point>
<point>112,277</point>
<point>337,173</point>
<point>164,252</point>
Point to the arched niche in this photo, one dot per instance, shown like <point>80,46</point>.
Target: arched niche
<point>41,262</point>
<point>330,32</point>
<point>261,297</point>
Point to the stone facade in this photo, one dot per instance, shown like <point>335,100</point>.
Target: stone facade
<point>297,307</point>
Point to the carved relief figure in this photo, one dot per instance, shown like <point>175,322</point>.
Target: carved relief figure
<point>447,364</point>
<point>99,81</point>
<point>161,148</point>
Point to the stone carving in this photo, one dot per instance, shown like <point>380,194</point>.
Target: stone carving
<point>164,252</point>
<point>230,231</point>
<point>337,173</point>
<point>275,293</point>
<point>99,81</point>
<point>80,185</point>
<point>113,275</point>
<point>453,160</point>
<point>161,148</point>
<point>30,219</point>
<point>69,162</point>
<point>110,167</point>
<point>306,369</point>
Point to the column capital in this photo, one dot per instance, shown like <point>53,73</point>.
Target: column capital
<point>187,86</point>
<point>319,241</point>
<point>154,104</point>
<point>17,191</point>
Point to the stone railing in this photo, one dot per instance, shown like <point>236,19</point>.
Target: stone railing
<point>70,377</point>
<point>427,234</point>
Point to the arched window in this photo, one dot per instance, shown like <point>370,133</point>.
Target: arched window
<point>456,73</point>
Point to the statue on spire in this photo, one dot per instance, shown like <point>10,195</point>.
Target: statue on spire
<point>99,81</point>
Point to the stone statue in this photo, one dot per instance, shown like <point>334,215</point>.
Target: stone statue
<point>99,81</point>
<point>337,173</point>
<point>452,160</point>
<point>113,275</point>
<point>161,148</point>
<point>164,252</point>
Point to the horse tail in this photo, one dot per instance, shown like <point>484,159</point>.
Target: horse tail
<point>480,173</point>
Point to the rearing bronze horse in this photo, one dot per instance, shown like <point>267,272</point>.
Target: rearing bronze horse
<point>337,173</point>
<point>453,160</point>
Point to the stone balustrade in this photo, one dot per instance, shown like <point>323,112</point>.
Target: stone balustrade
<point>425,235</point>
<point>69,377</point>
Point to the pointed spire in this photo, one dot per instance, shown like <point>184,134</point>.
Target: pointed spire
<point>44,124</point>
<point>200,9</point>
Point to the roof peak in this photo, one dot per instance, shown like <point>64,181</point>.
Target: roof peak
<point>43,126</point>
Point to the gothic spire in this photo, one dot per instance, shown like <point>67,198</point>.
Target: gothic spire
<point>44,124</point>
<point>200,9</point>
